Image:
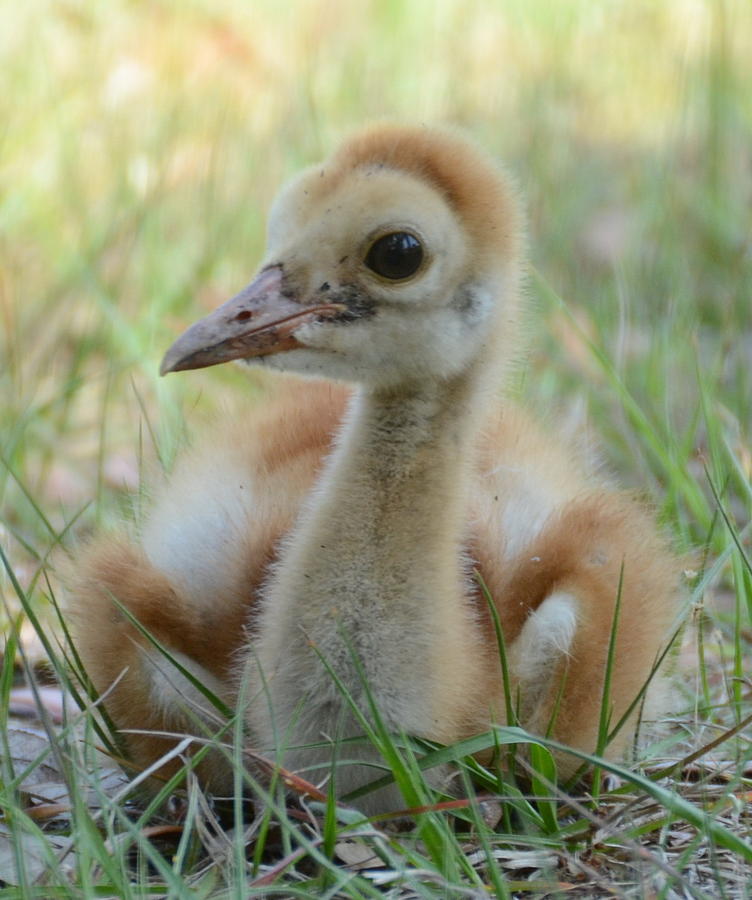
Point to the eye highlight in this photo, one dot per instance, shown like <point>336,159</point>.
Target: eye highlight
<point>395,256</point>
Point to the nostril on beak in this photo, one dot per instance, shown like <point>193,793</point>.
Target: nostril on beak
<point>243,315</point>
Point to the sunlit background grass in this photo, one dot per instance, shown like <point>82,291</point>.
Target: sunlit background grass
<point>141,144</point>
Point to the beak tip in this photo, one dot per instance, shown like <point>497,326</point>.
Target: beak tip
<point>169,364</point>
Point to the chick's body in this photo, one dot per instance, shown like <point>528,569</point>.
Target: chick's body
<point>332,535</point>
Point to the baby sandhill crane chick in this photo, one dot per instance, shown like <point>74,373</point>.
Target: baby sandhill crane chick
<point>343,523</point>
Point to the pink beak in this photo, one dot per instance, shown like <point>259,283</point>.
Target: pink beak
<point>258,321</point>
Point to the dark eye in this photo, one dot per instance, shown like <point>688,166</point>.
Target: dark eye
<point>395,256</point>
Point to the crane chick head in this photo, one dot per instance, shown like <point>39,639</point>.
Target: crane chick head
<point>393,262</point>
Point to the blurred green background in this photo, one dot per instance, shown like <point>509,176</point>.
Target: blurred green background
<point>142,142</point>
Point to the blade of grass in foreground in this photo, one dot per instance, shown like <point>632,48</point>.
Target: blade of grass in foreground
<point>405,769</point>
<point>670,800</point>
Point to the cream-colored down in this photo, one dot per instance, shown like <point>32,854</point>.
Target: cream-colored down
<point>334,531</point>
